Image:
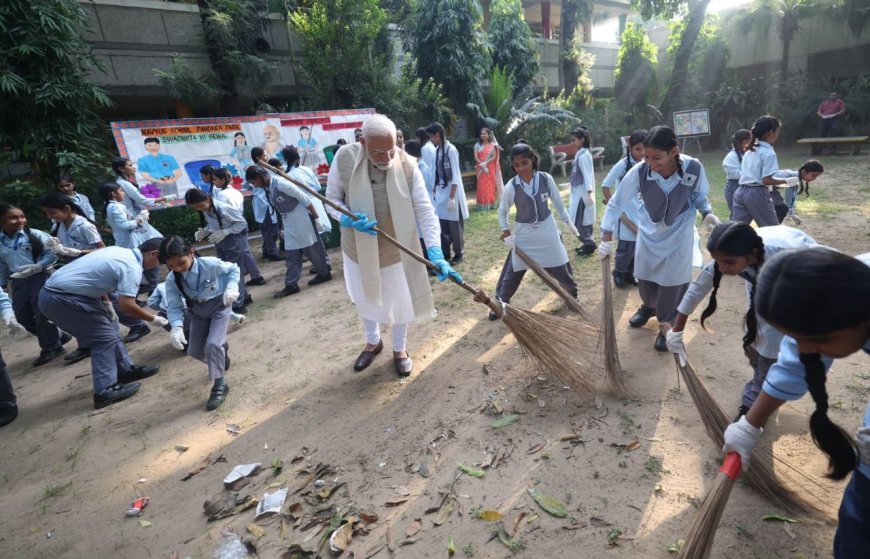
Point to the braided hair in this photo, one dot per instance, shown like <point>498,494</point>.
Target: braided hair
<point>810,166</point>
<point>737,140</point>
<point>36,246</point>
<point>733,238</point>
<point>834,295</point>
<point>763,126</point>
<point>197,196</point>
<point>636,138</point>
<point>663,138</point>
<point>224,175</point>
<point>60,201</point>
<point>107,194</point>
<point>291,156</point>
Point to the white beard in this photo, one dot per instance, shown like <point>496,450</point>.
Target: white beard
<point>381,166</point>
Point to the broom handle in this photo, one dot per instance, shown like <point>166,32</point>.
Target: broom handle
<point>628,223</point>
<point>479,294</point>
<point>551,282</point>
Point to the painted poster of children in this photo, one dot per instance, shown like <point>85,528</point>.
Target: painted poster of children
<point>240,154</point>
<point>272,142</point>
<point>309,151</point>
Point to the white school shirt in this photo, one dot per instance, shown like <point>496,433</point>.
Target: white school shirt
<point>309,178</point>
<point>611,181</point>
<point>427,154</point>
<point>85,205</point>
<point>582,167</point>
<point>299,232</point>
<point>230,196</point>
<point>99,272</point>
<point>81,234</point>
<point>663,254</point>
<point>776,239</point>
<point>732,165</point>
<point>442,190</point>
<point>134,199</point>
<point>541,240</point>
<point>758,164</point>
<point>127,232</point>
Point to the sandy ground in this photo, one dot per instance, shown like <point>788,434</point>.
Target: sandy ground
<point>68,474</point>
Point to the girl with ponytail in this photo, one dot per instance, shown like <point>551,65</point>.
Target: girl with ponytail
<point>753,199</point>
<point>739,250</point>
<point>806,173</point>
<point>820,300</point>
<point>732,162</point>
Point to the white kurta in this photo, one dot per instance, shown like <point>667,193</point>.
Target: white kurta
<point>540,240</point>
<point>582,164</point>
<point>663,254</point>
<point>442,190</point>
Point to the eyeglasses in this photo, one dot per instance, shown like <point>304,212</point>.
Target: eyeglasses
<point>381,152</point>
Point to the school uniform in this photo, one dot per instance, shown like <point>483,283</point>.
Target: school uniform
<point>582,181</point>
<point>232,247</point>
<point>133,199</point>
<point>300,235</point>
<point>201,291</point>
<point>157,301</point>
<point>18,251</point>
<point>129,233</point>
<point>82,201</point>
<point>765,347</point>
<point>267,216</point>
<point>535,233</point>
<point>72,298</point>
<point>623,260</point>
<point>309,178</point>
<point>752,199</point>
<point>428,152</point>
<point>236,199</point>
<point>666,229</point>
<point>788,193</point>
<point>448,173</point>
<point>8,401</point>
<point>731,164</point>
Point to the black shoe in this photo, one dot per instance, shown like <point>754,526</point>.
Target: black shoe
<point>456,259</point>
<point>661,343</point>
<point>248,300</point>
<point>114,393</point>
<point>256,281</point>
<point>218,395</point>
<point>492,315</point>
<point>137,372</point>
<point>312,270</point>
<point>137,333</point>
<point>48,355</point>
<point>272,258</point>
<point>741,411</point>
<point>641,317</point>
<point>619,280</point>
<point>318,279</point>
<point>65,338</point>
<point>77,355</point>
<point>585,250</point>
<point>8,415</point>
<point>365,358</point>
<point>241,309</point>
<point>227,361</point>
<point>286,292</point>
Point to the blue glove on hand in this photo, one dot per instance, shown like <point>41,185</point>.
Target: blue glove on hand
<point>362,223</point>
<point>444,270</point>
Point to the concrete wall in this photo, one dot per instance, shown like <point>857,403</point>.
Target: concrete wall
<point>601,72</point>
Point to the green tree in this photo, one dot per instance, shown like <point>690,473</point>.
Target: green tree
<point>450,47</point>
<point>339,58</point>
<point>707,63</point>
<point>635,74</point>
<point>574,12</point>
<point>48,116</point>
<point>512,46</point>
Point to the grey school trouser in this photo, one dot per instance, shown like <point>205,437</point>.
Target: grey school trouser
<point>623,262</point>
<point>730,186</point>
<point>509,279</point>
<point>585,231</point>
<point>452,235</point>
<point>207,341</point>
<point>316,253</point>
<point>760,366</point>
<point>232,249</point>
<point>7,395</point>
<point>270,231</point>
<point>25,305</point>
<point>754,203</point>
<point>664,299</point>
<point>88,320</point>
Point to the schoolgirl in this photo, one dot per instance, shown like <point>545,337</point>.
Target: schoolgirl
<point>581,204</point>
<point>208,287</point>
<point>225,192</point>
<point>206,178</point>
<point>67,185</point>
<point>301,229</point>
<point>732,163</point>
<point>623,261</point>
<point>157,301</point>
<point>450,204</point>
<point>226,227</point>
<point>753,199</point>
<point>670,188</point>
<point>75,233</point>
<point>535,231</point>
<point>806,173</point>
<point>739,250</point>
<point>126,179</point>
<point>829,320</point>
<point>307,177</point>
<point>24,257</point>
<point>267,216</point>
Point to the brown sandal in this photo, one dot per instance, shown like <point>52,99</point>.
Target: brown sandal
<point>366,357</point>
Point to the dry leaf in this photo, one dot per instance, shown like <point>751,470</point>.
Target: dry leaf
<point>633,445</point>
<point>505,421</point>
<point>599,522</point>
<point>444,512</point>
<point>413,528</point>
<point>391,538</point>
<point>144,523</point>
<point>397,501</point>
<point>490,515</point>
<point>181,448</point>
<point>407,541</point>
<point>426,463</point>
<point>373,551</point>
<point>368,517</point>
<point>517,524</point>
<point>255,531</point>
<point>535,448</point>
<point>341,538</point>
<point>402,490</point>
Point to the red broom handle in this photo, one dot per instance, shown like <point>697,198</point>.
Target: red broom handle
<point>731,466</point>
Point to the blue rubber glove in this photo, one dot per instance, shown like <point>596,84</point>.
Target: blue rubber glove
<point>444,270</point>
<point>361,223</point>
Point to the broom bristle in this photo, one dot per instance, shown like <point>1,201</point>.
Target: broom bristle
<point>555,344</point>
<point>761,476</point>
<point>615,374</point>
<point>699,538</point>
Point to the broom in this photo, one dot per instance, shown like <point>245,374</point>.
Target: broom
<point>615,374</point>
<point>551,282</point>
<point>699,538</point>
<point>761,476</point>
<point>542,337</point>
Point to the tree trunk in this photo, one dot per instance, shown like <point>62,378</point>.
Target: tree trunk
<point>573,11</point>
<point>229,101</point>
<point>783,64</point>
<point>679,75</point>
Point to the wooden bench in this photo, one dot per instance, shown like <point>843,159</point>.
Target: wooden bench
<point>853,141</point>
<point>562,155</point>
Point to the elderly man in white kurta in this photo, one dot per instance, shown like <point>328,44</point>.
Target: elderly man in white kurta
<point>382,186</point>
